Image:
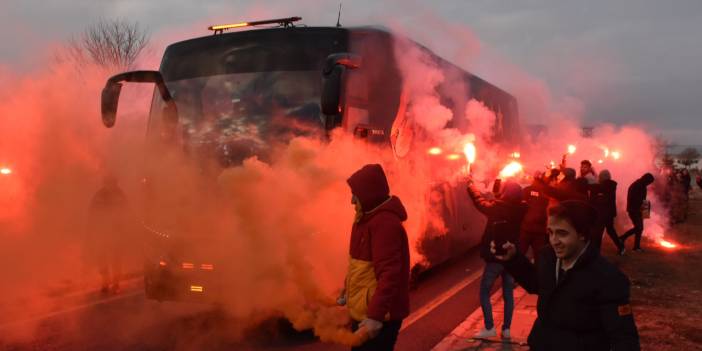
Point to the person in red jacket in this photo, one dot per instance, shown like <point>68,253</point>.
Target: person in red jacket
<point>377,283</point>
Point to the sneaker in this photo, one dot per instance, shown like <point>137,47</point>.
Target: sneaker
<point>622,251</point>
<point>639,250</point>
<point>485,333</point>
<point>505,334</point>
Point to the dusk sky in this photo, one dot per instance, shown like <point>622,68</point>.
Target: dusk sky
<point>620,62</point>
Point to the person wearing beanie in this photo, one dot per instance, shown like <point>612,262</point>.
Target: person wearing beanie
<point>376,290</point>
<point>504,219</point>
<point>583,299</point>
<point>636,196</point>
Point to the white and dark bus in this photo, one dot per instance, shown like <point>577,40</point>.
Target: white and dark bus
<point>231,95</point>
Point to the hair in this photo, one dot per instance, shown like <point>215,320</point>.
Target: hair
<point>586,162</point>
<point>578,213</point>
<point>569,173</point>
<point>604,175</point>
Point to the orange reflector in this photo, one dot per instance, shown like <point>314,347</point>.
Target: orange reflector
<point>188,265</point>
<point>207,266</point>
<point>162,263</point>
<point>197,288</point>
<point>228,26</point>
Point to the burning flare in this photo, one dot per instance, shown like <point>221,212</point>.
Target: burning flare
<point>5,171</point>
<point>434,151</point>
<point>470,152</point>
<point>616,155</point>
<point>571,149</point>
<point>512,169</point>
<point>667,244</point>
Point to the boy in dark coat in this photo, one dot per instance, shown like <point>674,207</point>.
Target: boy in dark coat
<point>583,299</point>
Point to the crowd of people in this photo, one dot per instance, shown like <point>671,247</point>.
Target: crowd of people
<point>546,236</point>
<point>674,190</point>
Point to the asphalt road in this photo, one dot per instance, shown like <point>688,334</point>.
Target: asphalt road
<point>440,301</point>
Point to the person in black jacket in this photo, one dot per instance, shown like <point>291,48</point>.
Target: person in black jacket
<point>583,300</point>
<point>569,188</point>
<point>533,232</point>
<point>504,218</point>
<point>698,180</point>
<point>603,197</point>
<point>634,200</point>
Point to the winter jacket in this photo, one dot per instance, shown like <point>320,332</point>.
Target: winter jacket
<point>568,189</point>
<point>603,197</point>
<point>377,281</point>
<point>536,215</point>
<point>588,309</point>
<point>637,193</point>
<point>504,220</point>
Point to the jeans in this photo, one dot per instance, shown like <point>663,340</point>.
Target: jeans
<point>637,219</point>
<point>490,274</point>
<point>386,339</point>
<point>606,223</point>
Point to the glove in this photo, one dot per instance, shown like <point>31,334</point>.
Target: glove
<point>372,327</point>
<point>341,300</point>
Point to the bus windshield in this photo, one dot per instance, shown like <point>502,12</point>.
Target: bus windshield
<point>247,110</point>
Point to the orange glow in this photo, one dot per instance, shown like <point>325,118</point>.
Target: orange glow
<point>667,244</point>
<point>600,161</point>
<point>515,155</point>
<point>470,151</point>
<point>606,152</point>
<point>552,164</point>
<point>435,151</point>
<point>512,169</point>
<point>207,266</point>
<point>228,26</point>
<point>188,265</point>
<point>162,263</point>
<point>197,288</point>
<point>616,155</point>
<point>571,149</point>
<point>5,171</point>
<point>453,157</point>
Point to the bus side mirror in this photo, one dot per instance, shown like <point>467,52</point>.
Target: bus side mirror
<point>113,87</point>
<point>333,76</point>
<point>108,104</point>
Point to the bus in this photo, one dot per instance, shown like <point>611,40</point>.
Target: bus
<point>212,91</point>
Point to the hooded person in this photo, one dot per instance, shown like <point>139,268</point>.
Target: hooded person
<point>603,197</point>
<point>377,282</point>
<point>636,195</point>
<point>504,220</point>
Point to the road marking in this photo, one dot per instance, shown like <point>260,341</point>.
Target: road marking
<point>72,309</point>
<point>418,314</point>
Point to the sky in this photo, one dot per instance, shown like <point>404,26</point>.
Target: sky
<point>618,62</point>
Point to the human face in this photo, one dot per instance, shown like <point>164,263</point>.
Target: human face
<point>584,169</point>
<point>564,239</point>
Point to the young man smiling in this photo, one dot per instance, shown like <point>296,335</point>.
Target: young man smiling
<point>583,299</point>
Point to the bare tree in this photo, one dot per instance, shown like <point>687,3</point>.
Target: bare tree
<point>111,44</point>
<point>689,156</point>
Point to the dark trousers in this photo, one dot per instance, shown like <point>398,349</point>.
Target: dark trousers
<point>385,341</point>
<point>534,240</point>
<point>637,220</point>
<point>602,224</point>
